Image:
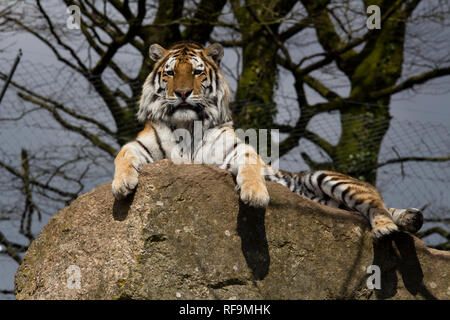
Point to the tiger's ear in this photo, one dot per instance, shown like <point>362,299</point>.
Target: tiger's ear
<point>215,51</point>
<point>156,52</point>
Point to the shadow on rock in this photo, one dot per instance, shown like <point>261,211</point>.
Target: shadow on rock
<point>251,229</point>
<point>404,260</point>
<point>122,207</point>
<point>410,268</point>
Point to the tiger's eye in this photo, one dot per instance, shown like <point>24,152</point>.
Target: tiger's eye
<point>198,72</point>
<point>169,73</point>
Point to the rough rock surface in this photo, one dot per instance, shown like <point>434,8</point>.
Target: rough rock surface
<point>185,234</point>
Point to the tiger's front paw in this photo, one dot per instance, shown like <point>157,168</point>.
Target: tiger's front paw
<point>125,181</point>
<point>255,193</point>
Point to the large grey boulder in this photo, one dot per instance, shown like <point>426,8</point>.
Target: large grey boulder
<point>185,235</point>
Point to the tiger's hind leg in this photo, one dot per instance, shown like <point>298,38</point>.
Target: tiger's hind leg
<point>342,191</point>
<point>367,201</point>
<point>410,219</point>
<point>382,224</point>
<point>351,194</point>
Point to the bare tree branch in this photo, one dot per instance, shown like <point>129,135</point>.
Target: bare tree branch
<point>410,82</point>
<point>47,187</point>
<point>12,249</point>
<point>204,20</point>
<point>416,159</point>
<point>94,139</point>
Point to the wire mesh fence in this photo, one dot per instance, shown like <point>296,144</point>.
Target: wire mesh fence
<point>59,137</point>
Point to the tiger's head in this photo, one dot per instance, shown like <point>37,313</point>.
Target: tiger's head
<point>185,85</point>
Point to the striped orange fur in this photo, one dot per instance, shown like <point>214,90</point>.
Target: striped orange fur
<point>187,87</point>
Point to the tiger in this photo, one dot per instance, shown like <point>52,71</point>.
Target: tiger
<point>187,90</point>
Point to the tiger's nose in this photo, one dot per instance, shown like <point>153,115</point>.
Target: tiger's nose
<point>183,93</point>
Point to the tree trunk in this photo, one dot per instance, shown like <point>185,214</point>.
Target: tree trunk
<point>364,120</point>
